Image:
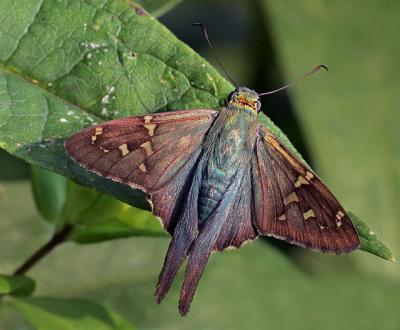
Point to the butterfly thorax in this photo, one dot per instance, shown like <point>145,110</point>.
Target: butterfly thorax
<point>229,145</point>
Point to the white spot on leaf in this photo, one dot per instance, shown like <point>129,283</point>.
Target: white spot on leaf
<point>105,99</point>
<point>94,45</point>
<point>110,89</point>
<point>104,112</point>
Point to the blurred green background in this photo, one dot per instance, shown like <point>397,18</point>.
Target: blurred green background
<point>345,123</point>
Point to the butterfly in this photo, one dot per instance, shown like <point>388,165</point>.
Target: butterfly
<point>216,179</point>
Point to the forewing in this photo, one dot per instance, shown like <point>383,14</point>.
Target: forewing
<point>291,202</point>
<point>155,153</point>
<point>143,151</point>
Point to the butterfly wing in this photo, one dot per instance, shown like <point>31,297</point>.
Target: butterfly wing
<point>291,202</point>
<point>155,153</point>
<point>238,227</point>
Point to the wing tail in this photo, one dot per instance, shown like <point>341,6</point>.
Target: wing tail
<point>184,234</point>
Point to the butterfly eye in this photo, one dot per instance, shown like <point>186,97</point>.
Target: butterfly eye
<point>231,96</point>
<point>258,106</point>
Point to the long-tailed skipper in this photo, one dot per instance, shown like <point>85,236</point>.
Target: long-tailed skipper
<point>216,179</point>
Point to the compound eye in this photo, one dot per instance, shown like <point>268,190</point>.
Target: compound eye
<point>231,95</point>
<point>258,106</point>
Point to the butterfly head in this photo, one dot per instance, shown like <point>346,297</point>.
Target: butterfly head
<point>244,98</point>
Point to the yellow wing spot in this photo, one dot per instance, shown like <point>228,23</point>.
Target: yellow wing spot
<point>147,119</point>
<point>292,197</point>
<point>143,168</point>
<point>339,215</point>
<point>148,148</point>
<point>98,131</point>
<point>308,214</point>
<point>300,180</point>
<point>124,149</point>
<point>282,217</point>
<point>150,128</point>
<point>309,175</point>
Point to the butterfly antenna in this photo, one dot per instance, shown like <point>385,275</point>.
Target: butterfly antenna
<point>316,69</point>
<point>213,52</point>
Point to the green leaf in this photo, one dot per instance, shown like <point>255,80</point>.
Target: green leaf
<point>369,241</point>
<point>50,192</point>
<point>98,217</point>
<point>12,168</point>
<point>158,7</point>
<point>69,314</point>
<point>95,216</point>
<point>110,60</point>
<point>16,285</point>
<point>96,67</point>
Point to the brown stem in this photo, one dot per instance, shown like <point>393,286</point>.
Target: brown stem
<point>57,239</point>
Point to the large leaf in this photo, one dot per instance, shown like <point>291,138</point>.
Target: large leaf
<point>110,60</point>
<point>69,314</point>
<point>16,285</point>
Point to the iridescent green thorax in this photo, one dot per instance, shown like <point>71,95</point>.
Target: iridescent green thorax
<point>244,99</point>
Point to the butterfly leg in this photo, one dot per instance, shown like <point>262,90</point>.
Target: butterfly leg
<point>184,234</point>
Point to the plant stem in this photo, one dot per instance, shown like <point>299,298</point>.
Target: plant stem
<point>57,239</point>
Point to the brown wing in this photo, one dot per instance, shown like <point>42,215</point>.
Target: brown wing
<point>154,153</point>
<point>238,227</point>
<point>291,202</point>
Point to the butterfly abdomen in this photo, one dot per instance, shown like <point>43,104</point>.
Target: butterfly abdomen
<point>211,192</point>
